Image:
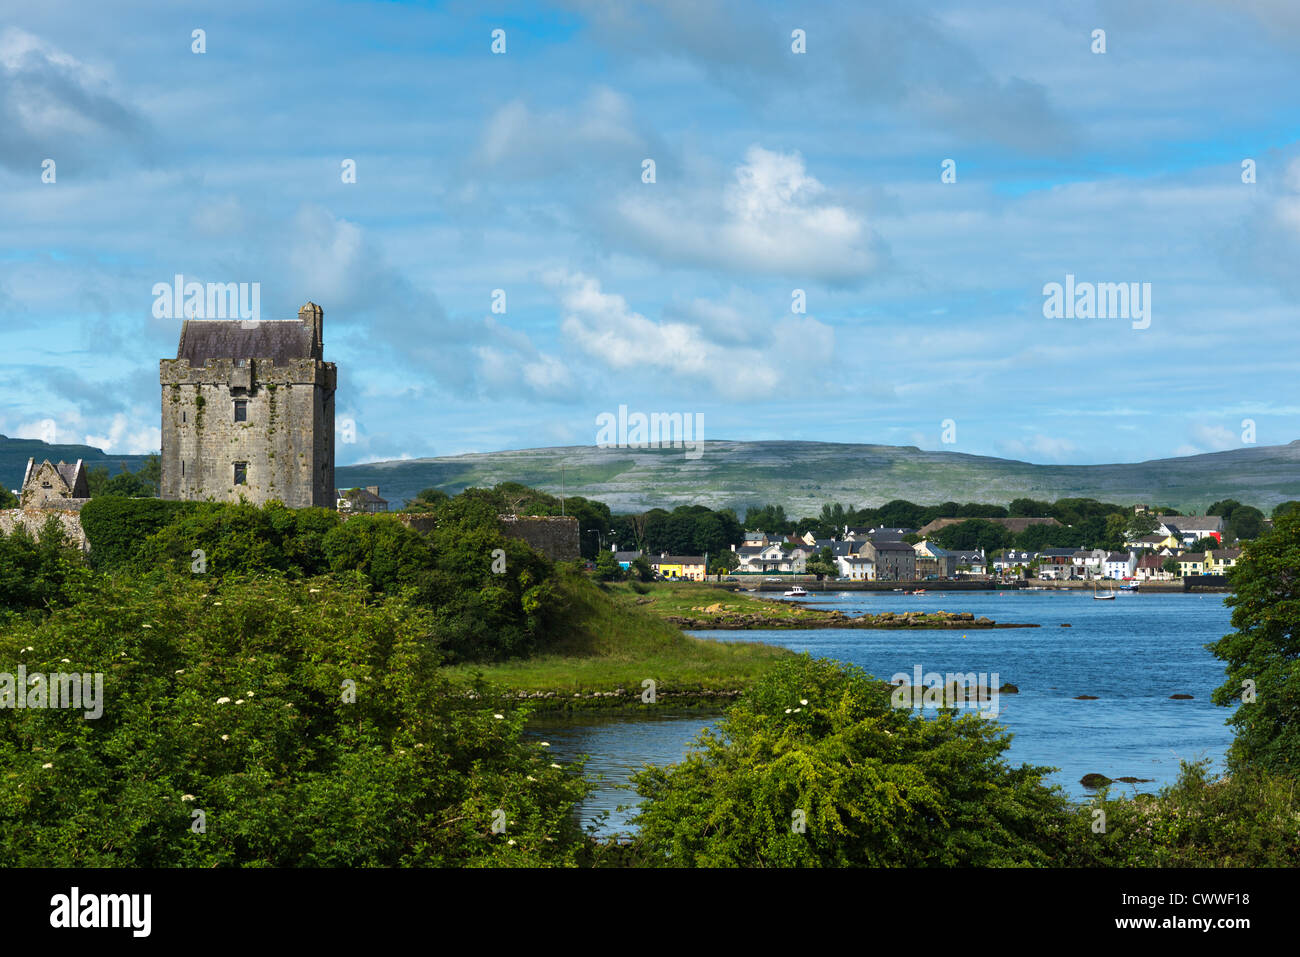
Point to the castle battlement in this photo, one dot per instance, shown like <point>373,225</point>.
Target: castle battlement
<point>248,412</point>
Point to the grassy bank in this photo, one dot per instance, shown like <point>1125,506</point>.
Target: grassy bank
<point>698,606</point>
<point>610,645</point>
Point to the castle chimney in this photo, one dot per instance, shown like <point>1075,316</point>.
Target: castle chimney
<point>314,316</point>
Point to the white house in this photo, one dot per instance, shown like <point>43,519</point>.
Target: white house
<point>856,568</point>
<point>1119,565</point>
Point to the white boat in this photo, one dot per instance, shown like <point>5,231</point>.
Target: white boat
<point>796,592</point>
<point>1108,596</point>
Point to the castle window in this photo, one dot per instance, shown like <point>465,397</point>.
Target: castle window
<point>183,419</point>
<point>241,410</point>
<point>182,470</point>
<point>241,473</point>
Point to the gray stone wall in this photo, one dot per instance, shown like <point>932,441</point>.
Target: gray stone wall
<point>34,519</point>
<point>287,440</point>
<point>555,536</point>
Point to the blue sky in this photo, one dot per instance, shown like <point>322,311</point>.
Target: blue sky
<point>775,171</point>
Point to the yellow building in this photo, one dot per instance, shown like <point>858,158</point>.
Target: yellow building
<point>683,567</point>
<point>1219,560</point>
<point>1191,564</point>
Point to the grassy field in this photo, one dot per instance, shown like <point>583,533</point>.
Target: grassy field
<point>611,645</point>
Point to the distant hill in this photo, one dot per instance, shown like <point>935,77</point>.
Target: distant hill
<point>804,475</point>
<point>799,475</point>
<point>14,454</point>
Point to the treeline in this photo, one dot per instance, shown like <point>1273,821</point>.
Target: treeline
<point>491,596</point>
<point>1083,523</point>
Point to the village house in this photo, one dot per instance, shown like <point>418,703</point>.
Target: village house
<point>1192,563</point>
<point>625,559</point>
<point>1188,529</point>
<point>1119,565</point>
<point>356,501</point>
<point>1056,563</point>
<point>894,561</point>
<point>682,567</point>
<point>971,562</point>
<point>1012,561</point>
<point>856,568</point>
<point>1151,567</point>
<point>1219,560</point>
<point>933,561</point>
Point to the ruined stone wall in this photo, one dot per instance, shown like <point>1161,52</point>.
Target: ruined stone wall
<point>287,440</point>
<point>555,536</point>
<point>34,519</point>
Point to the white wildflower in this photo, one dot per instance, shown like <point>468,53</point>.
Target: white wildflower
<point>223,701</point>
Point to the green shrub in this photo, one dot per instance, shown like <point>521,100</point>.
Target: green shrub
<point>231,698</point>
<point>116,527</point>
<point>874,785</point>
<point>1248,819</point>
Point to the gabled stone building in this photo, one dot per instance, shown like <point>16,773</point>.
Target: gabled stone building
<point>248,410</point>
<point>54,486</point>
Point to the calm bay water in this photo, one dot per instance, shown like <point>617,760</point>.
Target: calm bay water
<point>1131,653</point>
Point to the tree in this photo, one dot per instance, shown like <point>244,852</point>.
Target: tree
<point>822,564</point>
<point>1283,508</point>
<point>1224,507</point>
<point>1142,524</point>
<point>312,726</point>
<point>1202,545</point>
<point>816,767</point>
<point>141,484</point>
<point>1171,565</point>
<point>607,567</point>
<point>1262,656</point>
<point>723,562</point>
<point>972,534</point>
<point>8,499</point>
<point>641,568</point>
<point>1029,508</point>
<point>426,500</point>
<point>1246,523</point>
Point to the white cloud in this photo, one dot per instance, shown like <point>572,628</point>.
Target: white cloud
<point>775,218</point>
<point>1216,437</point>
<point>121,438</point>
<point>1041,447</point>
<point>605,327</point>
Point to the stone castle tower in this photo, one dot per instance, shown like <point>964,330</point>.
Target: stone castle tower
<point>248,409</point>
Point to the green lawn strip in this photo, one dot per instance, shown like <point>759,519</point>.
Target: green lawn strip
<point>609,644</point>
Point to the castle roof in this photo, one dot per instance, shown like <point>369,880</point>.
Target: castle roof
<point>279,340</point>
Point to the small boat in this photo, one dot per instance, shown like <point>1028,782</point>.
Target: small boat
<point>1108,596</point>
<point>1130,586</point>
<point>796,592</point>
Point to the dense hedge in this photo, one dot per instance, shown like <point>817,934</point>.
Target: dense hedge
<point>116,527</point>
<point>310,726</point>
